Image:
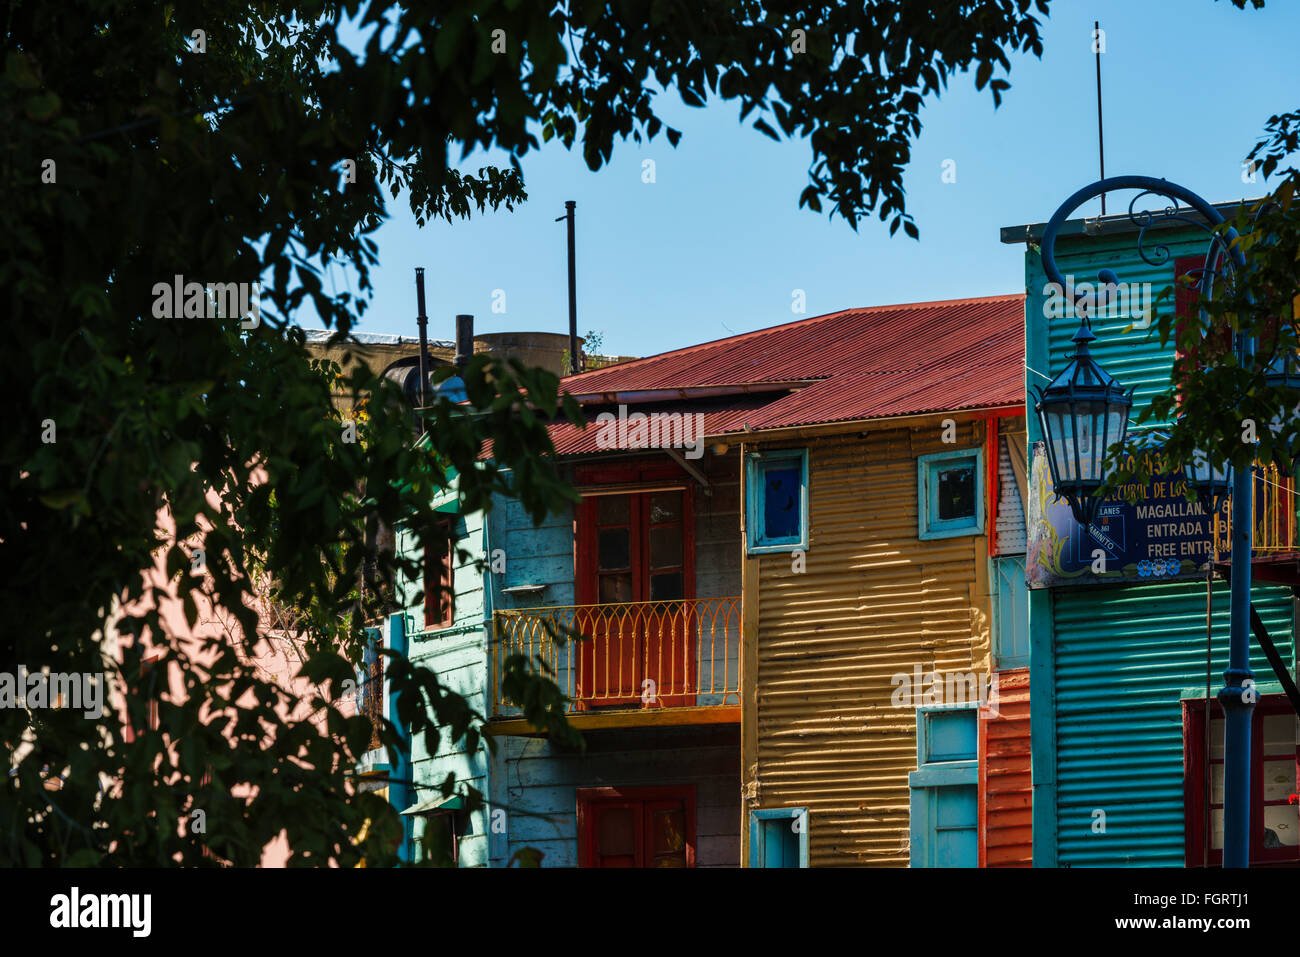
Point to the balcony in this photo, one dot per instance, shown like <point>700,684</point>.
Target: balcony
<point>1274,512</point>
<point>638,664</point>
<point>1276,553</point>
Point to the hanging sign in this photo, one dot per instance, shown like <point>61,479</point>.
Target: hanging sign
<point>1159,536</point>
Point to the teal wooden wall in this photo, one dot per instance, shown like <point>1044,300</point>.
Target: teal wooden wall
<point>534,555</point>
<point>458,654</point>
<point>535,783</point>
<point>531,787</point>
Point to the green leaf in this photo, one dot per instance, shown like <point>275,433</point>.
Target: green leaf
<point>19,72</point>
<point>62,498</point>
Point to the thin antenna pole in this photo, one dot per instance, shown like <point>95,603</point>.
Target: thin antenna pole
<point>573,290</point>
<point>422,321</point>
<point>1101,142</point>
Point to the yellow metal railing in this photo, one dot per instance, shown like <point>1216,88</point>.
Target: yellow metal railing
<point>650,654</point>
<point>1274,511</point>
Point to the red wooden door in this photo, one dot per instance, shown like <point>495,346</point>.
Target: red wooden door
<point>609,671</point>
<point>618,837</point>
<point>669,646</point>
<point>665,833</point>
<point>636,827</point>
<point>635,548</point>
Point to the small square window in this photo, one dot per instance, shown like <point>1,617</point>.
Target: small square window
<point>777,500</point>
<point>946,733</point>
<point>950,494</point>
<point>956,488</point>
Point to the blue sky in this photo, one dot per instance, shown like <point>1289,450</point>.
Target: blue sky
<point>717,244</point>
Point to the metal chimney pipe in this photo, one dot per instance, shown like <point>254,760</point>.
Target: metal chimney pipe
<point>422,321</point>
<point>464,341</point>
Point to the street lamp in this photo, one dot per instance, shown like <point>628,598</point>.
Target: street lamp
<point>1083,412</point>
<point>1237,702</point>
<point>1211,483</point>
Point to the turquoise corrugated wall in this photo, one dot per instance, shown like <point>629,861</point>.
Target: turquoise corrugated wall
<point>1117,754</point>
<point>1136,357</point>
<point>1125,656</point>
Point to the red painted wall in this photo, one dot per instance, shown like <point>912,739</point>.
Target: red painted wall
<point>1006,788</point>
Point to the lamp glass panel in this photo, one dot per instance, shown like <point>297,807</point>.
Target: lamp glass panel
<point>1090,418</point>
<point>1116,423</point>
<point>1061,443</point>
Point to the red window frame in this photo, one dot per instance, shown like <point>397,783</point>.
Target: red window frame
<point>129,732</point>
<point>370,697</point>
<point>639,479</point>
<point>440,576</point>
<point>648,801</point>
<point>1185,299</point>
<point>1194,784</point>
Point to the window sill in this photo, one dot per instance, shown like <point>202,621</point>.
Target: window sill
<point>445,631</point>
<point>776,549</point>
<point>964,531</point>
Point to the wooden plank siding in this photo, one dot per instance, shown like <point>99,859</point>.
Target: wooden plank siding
<point>717,528</point>
<point>1006,791</point>
<point>537,783</point>
<point>821,647</point>
<point>458,655</point>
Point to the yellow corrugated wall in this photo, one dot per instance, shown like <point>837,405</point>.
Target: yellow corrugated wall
<point>874,601</point>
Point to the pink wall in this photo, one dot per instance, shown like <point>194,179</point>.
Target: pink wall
<point>276,659</point>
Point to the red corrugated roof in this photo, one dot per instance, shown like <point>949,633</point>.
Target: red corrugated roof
<point>860,363</point>
<point>720,417</point>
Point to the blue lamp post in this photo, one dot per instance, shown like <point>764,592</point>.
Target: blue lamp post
<point>1238,703</point>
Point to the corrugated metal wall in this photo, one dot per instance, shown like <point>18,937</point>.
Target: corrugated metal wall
<point>1124,657</point>
<point>1011,511</point>
<point>1105,743</point>
<point>1135,357</point>
<point>1006,791</point>
<point>873,602</point>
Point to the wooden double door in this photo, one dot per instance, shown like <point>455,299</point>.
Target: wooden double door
<point>636,579</point>
<point>636,827</point>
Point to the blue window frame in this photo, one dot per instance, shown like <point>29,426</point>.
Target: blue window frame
<point>776,500</point>
<point>778,837</point>
<point>1010,614</point>
<point>944,800</point>
<point>950,494</point>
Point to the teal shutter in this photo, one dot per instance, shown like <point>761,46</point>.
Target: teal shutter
<point>944,803</point>
<point>1010,614</point>
<point>778,837</point>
